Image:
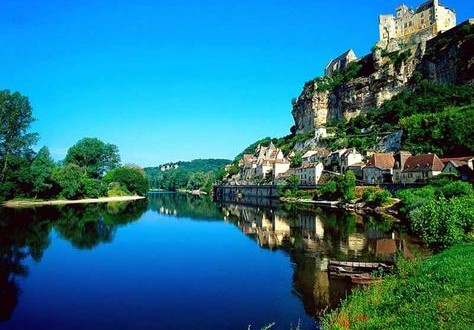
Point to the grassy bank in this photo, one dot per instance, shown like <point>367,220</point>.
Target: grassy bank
<point>436,293</point>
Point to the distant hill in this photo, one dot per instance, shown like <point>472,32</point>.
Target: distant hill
<point>195,174</point>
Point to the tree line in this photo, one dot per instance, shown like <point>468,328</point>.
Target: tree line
<point>91,168</point>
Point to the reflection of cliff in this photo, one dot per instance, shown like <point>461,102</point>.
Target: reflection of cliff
<point>184,205</point>
<point>25,234</point>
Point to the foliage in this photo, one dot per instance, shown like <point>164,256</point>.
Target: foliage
<point>329,191</point>
<point>129,177</point>
<point>293,182</point>
<point>189,174</point>
<point>375,198</point>
<point>42,169</point>
<point>448,132</point>
<point>432,294</point>
<point>346,186</point>
<point>329,83</point>
<point>442,213</point>
<point>15,140</point>
<point>442,223</point>
<point>297,160</point>
<point>93,188</point>
<point>69,179</point>
<point>95,156</point>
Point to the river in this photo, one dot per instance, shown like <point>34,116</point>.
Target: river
<point>179,262</point>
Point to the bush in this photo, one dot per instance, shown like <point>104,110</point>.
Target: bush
<point>93,188</point>
<point>116,189</point>
<point>130,178</point>
<point>69,178</point>
<point>457,189</point>
<point>375,198</point>
<point>442,223</point>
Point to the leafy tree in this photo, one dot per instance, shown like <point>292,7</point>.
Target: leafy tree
<point>293,182</point>
<point>131,178</point>
<point>94,155</point>
<point>346,186</point>
<point>42,169</point>
<point>70,179</point>
<point>93,188</point>
<point>15,143</point>
<point>297,160</point>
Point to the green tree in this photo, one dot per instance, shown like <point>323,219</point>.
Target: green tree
<point>94,155</point>
<point>346,186</point>
<point>130,177</point>
<point>42,169</point>
<point>70,179</point>
<point>15,140</point>
<point>293,182</point>
<point>297,160</point>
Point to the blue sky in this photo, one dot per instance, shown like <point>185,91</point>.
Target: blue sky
<point>176,80</point>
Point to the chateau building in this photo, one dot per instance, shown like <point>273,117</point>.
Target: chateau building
<point>340,63</point>
<point>413,25</point>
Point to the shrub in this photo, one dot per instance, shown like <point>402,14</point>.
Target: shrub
<point>130,178</point>
<point>457,189</point>
<point>442,223</point>
<point>93,188</point>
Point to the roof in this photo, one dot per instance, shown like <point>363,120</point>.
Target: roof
<point>426,162</point>
<point>383,161</point>
<point>309,153</point>
<point>341,57</point>
<point>424,6</point>
<point>360,164</point>
<point>457,159</point>
<point>350,151</point>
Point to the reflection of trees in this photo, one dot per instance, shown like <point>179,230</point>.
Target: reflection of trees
<point>25,233</point>
<point>21,236</point>
<point>184,205</point>
<point>86,226</point>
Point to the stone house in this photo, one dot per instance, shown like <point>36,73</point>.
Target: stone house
<point>420,168</point>
<point>309,174</point>
<point>400,160</point>
<point>340,63</point>
<point>357,169</point>
<point>462,167</point>
<point>379,168</point>
<point>350,157</point>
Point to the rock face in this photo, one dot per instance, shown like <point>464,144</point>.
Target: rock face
<point>447,58</point>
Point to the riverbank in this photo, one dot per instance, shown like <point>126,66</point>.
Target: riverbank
<point>435,293</point>
<point>31,203</point>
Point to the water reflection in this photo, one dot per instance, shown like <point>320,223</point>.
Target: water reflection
<point>25,233</point>
<point>310,235</point>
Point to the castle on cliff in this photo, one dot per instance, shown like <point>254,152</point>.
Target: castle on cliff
<point>408,26</point>
<point>415,25</point>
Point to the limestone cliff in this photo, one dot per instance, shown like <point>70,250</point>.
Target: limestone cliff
<point>447,58</point>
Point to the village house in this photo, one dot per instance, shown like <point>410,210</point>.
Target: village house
<point>350,157</point>
<point>379,168</point>
<point>266,162</point>
<point>462,167</point>
<point>357,169</point>
<point>309,174</point>
<point>420,168</point>
<point>400,160</point>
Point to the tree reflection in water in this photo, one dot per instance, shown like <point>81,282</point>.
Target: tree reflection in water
<point>25,233</point>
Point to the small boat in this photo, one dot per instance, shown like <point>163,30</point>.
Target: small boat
<point>364,279</point>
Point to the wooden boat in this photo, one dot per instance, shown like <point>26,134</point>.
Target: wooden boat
<point>363,279</point>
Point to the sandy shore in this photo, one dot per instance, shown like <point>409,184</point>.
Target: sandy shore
<point>14,203</point>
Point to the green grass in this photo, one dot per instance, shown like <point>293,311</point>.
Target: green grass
<point>436,293</point>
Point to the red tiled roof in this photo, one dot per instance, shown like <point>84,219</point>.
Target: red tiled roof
<point>457,159</point>
<point>382,160</point>
<point>427,162</point>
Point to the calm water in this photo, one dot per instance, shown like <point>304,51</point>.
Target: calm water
<point>177,262</point>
